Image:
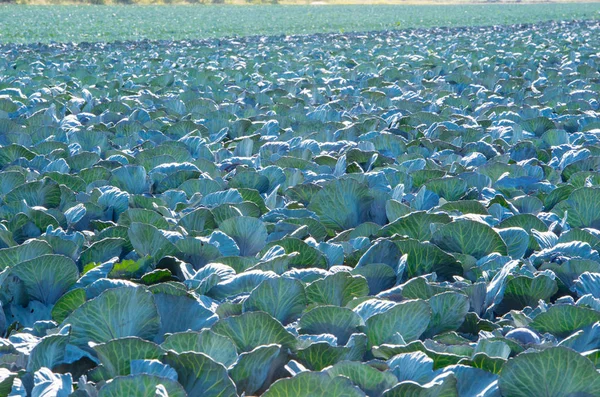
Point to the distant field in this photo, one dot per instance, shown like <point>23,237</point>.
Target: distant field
<point>22,23</point>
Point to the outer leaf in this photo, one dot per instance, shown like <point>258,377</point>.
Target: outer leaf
<point>115,313</point>
<point>588,283</point>
<point>198,220</point>
<point>382,251</point>
<point>45,193</point>
<point>313,384</point>
<point>103,250</point>
<point>338,321</point>
<point>241,283</point>
<point>130,178</point>
<point>149,241</point>
<point>141,385</point>
<point>583,208</point>
<point>47,277</point>
<point>408,319</point>
<point>145,216</point>
<point>196,252</point>
<point>517,241</point>
<point>218,347</point>
<point>283,298</point>
<point>308,256</point>
<point>67,303</point>
<point>47,383</point>
<point>116,355</point>
<point>253,369</point>
<point>554,372</point>
<point>200,375</point>
<point>320,355</point>
<point>337,289</point>
<point>524,291</point>
<point>415,225</point>
<point>31,249</point>
<point>415,366</point>
<point>448,311</point>
<point>473,381</point>
<point>342,204</point>
<point>49,352</point>
<point>254,329</point>
<point>482,361</point>
<point>469,237</point>
<point>424,258</point>
<point>370,380</point>
<point>153,367</point>
<point>249,233</point>
<point>563,320</point>
<point>181,313</point>
<point>442,386</point>
<point>379,276</point>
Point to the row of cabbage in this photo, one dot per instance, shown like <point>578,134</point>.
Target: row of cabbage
<point>405,213</point>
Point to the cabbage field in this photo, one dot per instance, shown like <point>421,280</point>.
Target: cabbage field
<point>392,213</point>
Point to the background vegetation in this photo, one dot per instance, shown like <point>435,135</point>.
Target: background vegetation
<point>63,23</point>
<point>312,2</point>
